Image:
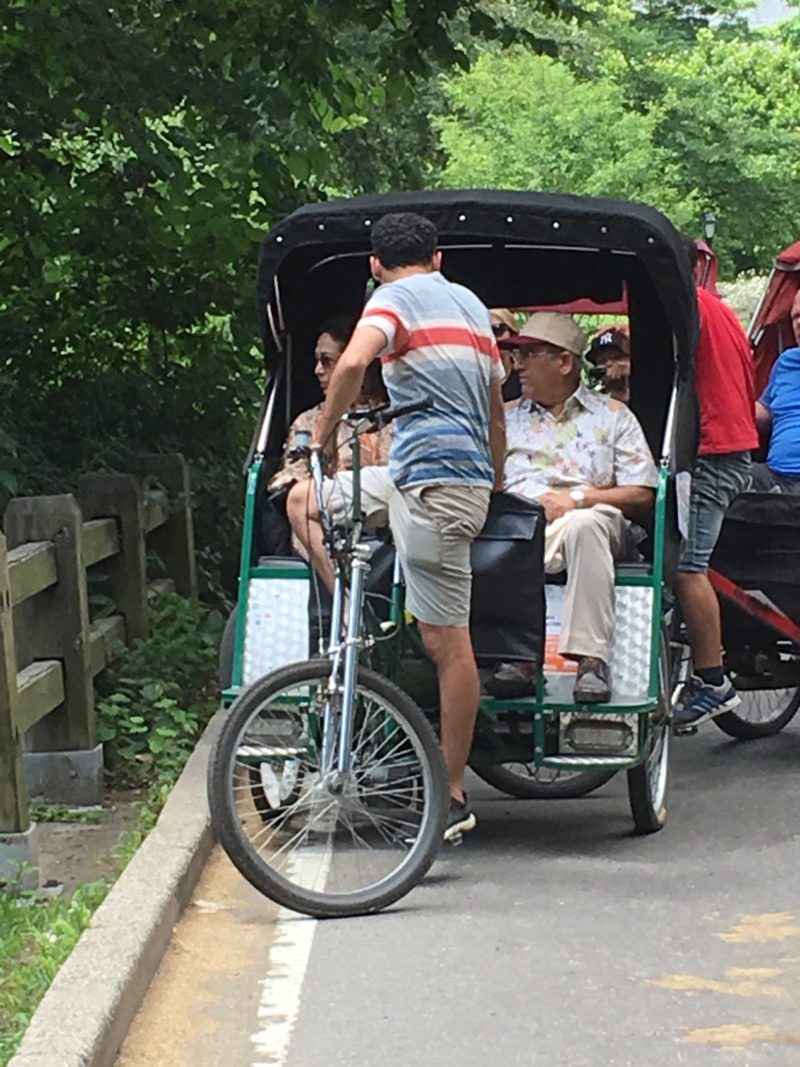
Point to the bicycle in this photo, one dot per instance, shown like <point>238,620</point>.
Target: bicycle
<point>327,785</point>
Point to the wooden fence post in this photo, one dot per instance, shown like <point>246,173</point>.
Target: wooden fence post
<point>64,761</point>
<point>13,795</point>
<point>174,541</point>
<point>119,496</point>
<point>61,621</point>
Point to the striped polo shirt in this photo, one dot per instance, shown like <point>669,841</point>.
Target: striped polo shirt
<point>439,346</point>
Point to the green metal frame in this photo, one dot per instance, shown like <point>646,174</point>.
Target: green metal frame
<point>245,573</point>
<point>538,706</point>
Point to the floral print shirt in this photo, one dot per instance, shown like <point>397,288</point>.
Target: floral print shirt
<point>594,442</point>
<point>374,449</point>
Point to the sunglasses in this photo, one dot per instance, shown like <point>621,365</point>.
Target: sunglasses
<point>499,329</point>
<point>326,362</point>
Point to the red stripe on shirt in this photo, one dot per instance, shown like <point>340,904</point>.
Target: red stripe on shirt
<point>400,344</point>
<point>442,336</point>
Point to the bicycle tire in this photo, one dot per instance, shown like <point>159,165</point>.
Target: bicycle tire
<point>736,725</point>
<point>648,782</point>
<point>526,787</point>
<point>228,824</point>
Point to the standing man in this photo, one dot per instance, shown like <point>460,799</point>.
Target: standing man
<point>436,343</point>
<point>724,379</point>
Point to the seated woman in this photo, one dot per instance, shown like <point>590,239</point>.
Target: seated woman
<point>333,338</point>
<point>331,342</point>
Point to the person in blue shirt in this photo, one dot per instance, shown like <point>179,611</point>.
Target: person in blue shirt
<point>778,415</point>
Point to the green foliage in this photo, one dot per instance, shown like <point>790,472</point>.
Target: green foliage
<point>682,106</point>
<point>145,150</point>
<point>736,151</point>
<point>524,121</point>
<point>154,701</point>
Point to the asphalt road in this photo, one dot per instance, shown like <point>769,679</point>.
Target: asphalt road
<point>552,936</point>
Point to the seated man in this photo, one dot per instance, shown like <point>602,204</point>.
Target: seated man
<point>585,458</point>
<point>778,418</point>
<point>610,352</point>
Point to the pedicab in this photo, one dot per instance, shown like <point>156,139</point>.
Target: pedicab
<point>327,786</point>
<point>756,565</point>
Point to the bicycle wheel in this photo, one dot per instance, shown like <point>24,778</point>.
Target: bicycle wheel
<point>337,844</point>
<point>529,782</point>
<point>762,713</point>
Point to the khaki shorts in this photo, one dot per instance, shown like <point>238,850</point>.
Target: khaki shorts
<point>433,528</point>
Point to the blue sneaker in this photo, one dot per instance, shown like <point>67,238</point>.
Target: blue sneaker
<point>701,701</point>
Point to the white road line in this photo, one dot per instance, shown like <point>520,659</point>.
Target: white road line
<point>282,989</point>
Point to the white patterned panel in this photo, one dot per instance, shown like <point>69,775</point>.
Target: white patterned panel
<point>277,625</point>
<point>630,649</point>
<point>630,652</point>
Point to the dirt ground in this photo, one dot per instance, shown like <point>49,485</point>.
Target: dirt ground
<point>71,853</point>
<point>204,1002</point>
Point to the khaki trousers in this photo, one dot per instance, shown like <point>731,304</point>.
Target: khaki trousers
<point>586,543</point>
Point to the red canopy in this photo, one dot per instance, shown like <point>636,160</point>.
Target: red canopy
<point>583,307</point>
<point>708,266</point>
<point>708,280</point>
<point>771,329</point>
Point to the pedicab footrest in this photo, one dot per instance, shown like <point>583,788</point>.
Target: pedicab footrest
<point>565,762</point>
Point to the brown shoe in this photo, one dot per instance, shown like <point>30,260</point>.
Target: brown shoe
<point>593,683</point>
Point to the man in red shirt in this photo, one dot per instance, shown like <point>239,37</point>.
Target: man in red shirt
<point>725,392</point>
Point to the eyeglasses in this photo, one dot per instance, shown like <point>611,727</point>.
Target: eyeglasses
<point>522,355</point>
<point>326,362</point>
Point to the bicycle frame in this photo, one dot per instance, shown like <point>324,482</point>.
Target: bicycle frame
<point>343,653</point>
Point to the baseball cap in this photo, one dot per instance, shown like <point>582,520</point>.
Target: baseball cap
<point>609,337</point>
<point>551,328</point>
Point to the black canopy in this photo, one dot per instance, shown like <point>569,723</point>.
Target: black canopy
<point>543,248</point>
<point>510,248</point>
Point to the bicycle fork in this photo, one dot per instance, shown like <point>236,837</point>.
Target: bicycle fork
<point>345,667</point>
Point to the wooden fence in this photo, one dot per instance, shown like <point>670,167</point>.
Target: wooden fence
<point>50,650</point>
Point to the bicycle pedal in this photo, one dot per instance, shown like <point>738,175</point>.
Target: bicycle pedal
<point>685,731</point>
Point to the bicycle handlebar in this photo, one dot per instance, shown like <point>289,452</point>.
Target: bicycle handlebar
<point>384,415</point>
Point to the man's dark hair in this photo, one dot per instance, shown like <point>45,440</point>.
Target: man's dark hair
<point>690,247</point>
<point>340,328</point>
<point>404,240</point>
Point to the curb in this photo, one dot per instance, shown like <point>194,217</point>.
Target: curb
<point>87,1011</point>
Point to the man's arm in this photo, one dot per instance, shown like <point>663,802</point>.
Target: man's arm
<point>497,434</point>
<point>348,375</point>
<point>634,501</point>
<point>763,422</point>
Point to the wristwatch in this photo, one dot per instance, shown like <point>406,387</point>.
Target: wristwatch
<point>578,496</point>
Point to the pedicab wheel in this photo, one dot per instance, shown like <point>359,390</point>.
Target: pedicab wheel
<point>648,782</point>
<point>339,844</point>
<point>273,792</point>
<point>762,713</point>
<point>526,781</point>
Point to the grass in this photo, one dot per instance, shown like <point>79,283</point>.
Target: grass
<point>41,811</point>
<point>38,932</point>
<point>151,710</point>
